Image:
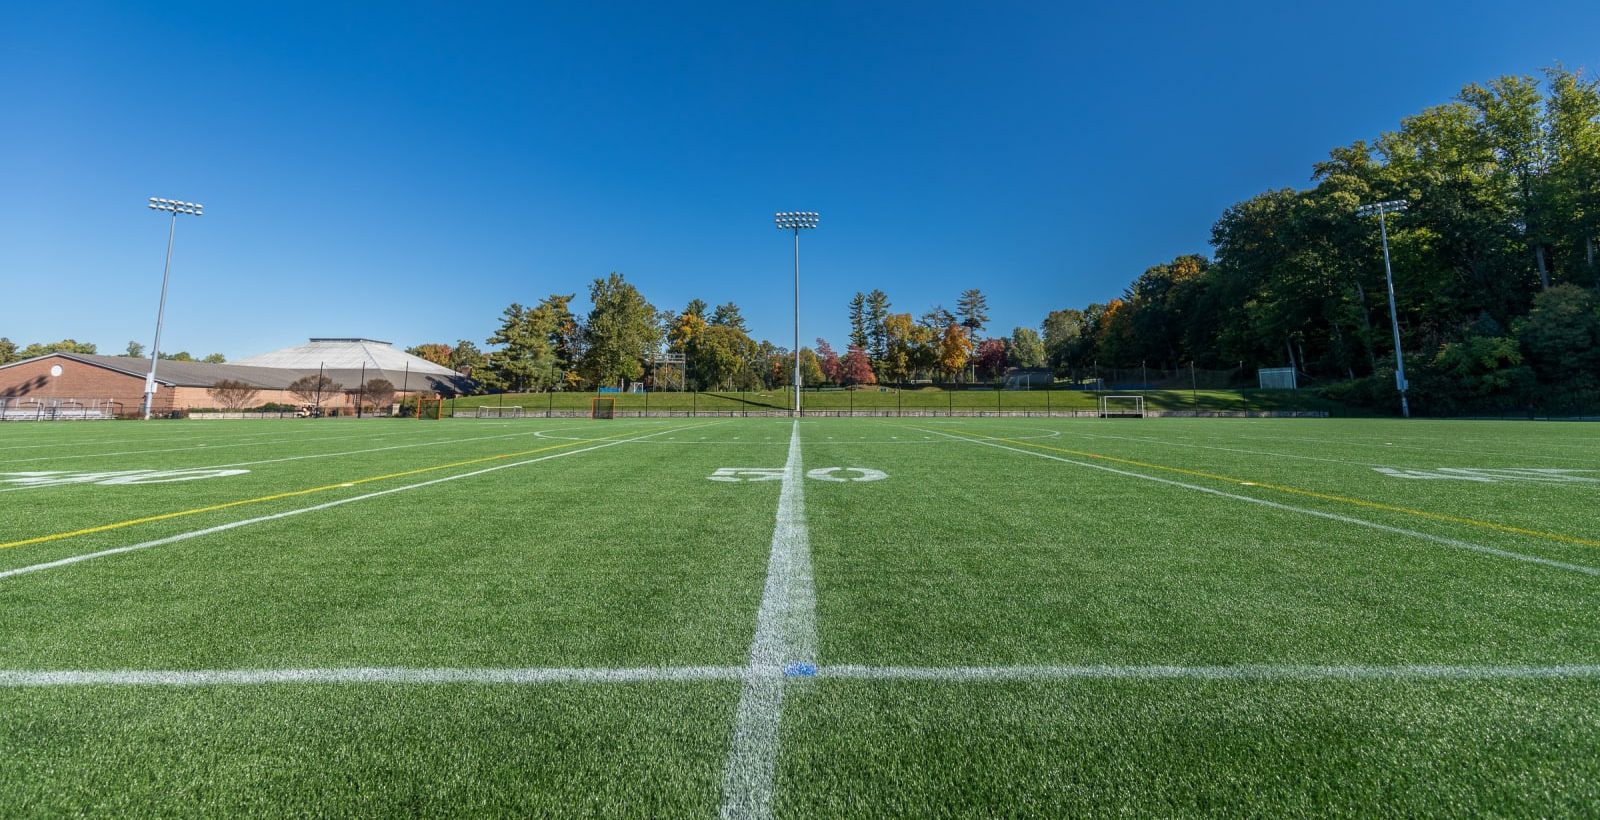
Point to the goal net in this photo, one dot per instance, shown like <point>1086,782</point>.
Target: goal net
<point>603,408</point>
<point>1122,407</point>
<point>497,413</point>
<point>1277,378</point>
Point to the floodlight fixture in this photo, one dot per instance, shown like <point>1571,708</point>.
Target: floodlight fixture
<point>796,221</point>
<point>1393,206</point>
<point>174,207</point>
<point>1382,210</point>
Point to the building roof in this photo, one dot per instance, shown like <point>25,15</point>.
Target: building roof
<point>347,354</point>
<point>206,374</point>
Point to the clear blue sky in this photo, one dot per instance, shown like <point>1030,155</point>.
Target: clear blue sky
<point>404,171</point>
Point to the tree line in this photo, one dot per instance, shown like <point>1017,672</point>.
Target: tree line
<point>1495,264</point>
<point>10,352</point>
<point>625,339</point>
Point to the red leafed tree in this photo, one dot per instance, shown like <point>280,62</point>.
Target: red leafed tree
<point>857,367</point>
<point>832,368</point>
<point>991,358</point>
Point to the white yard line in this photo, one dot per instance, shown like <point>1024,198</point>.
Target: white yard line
<point>1346,519</point>
<point>682,674</point>
<point>302,510</point>
<point>370,674</point>
<point>1266,672</point>
<point>785,643</point>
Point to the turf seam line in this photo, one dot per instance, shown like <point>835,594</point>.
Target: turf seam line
<point>1360,522</point>
<point>314,508</point>
<point>785,642</point>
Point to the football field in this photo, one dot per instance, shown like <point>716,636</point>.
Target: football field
<point>836,617</point>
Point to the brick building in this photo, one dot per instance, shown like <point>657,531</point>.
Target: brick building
<point>114,385</point>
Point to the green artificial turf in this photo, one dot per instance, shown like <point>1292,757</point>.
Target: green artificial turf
<point>992,542</point>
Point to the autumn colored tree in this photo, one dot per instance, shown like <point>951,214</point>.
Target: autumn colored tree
<point>856,368</point>
<point>810,367</point>
<point>953,352</point>
<point>990,361</point>
<point>828,361</point>
<point>435,352</point>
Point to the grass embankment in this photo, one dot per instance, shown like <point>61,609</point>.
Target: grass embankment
<point>878,400</point>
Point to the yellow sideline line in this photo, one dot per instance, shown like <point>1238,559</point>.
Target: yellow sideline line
<point>1359,502</point>
<point>291,494</point>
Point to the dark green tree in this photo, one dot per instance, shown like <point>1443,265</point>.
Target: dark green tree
<point>858,320</point>
<point>620,333</point>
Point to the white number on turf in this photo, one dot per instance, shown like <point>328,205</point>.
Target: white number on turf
<point>749,474</point>
<point>1490,475</point>
<point>51,478</point>
<point>862,474</point>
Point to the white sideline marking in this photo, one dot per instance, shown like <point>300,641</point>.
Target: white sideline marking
<point>1291,672</point>
<point>288,513</point>
<point>786,638</point>
<point>373,674</point>
<point>650,674</point>
<point>1360,522</point>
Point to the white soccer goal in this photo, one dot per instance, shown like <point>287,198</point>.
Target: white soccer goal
<point>487,412</point>
<point>1277,378</point>
<point>1122,407</point>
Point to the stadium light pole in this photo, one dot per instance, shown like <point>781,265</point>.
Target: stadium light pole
<point>173,207</point>
<point>1383,209</point>
<point>796,221</point>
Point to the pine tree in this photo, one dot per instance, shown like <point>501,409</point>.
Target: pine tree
<point>858,320</point>
<point>973,310</point>
<point>877,334</point>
